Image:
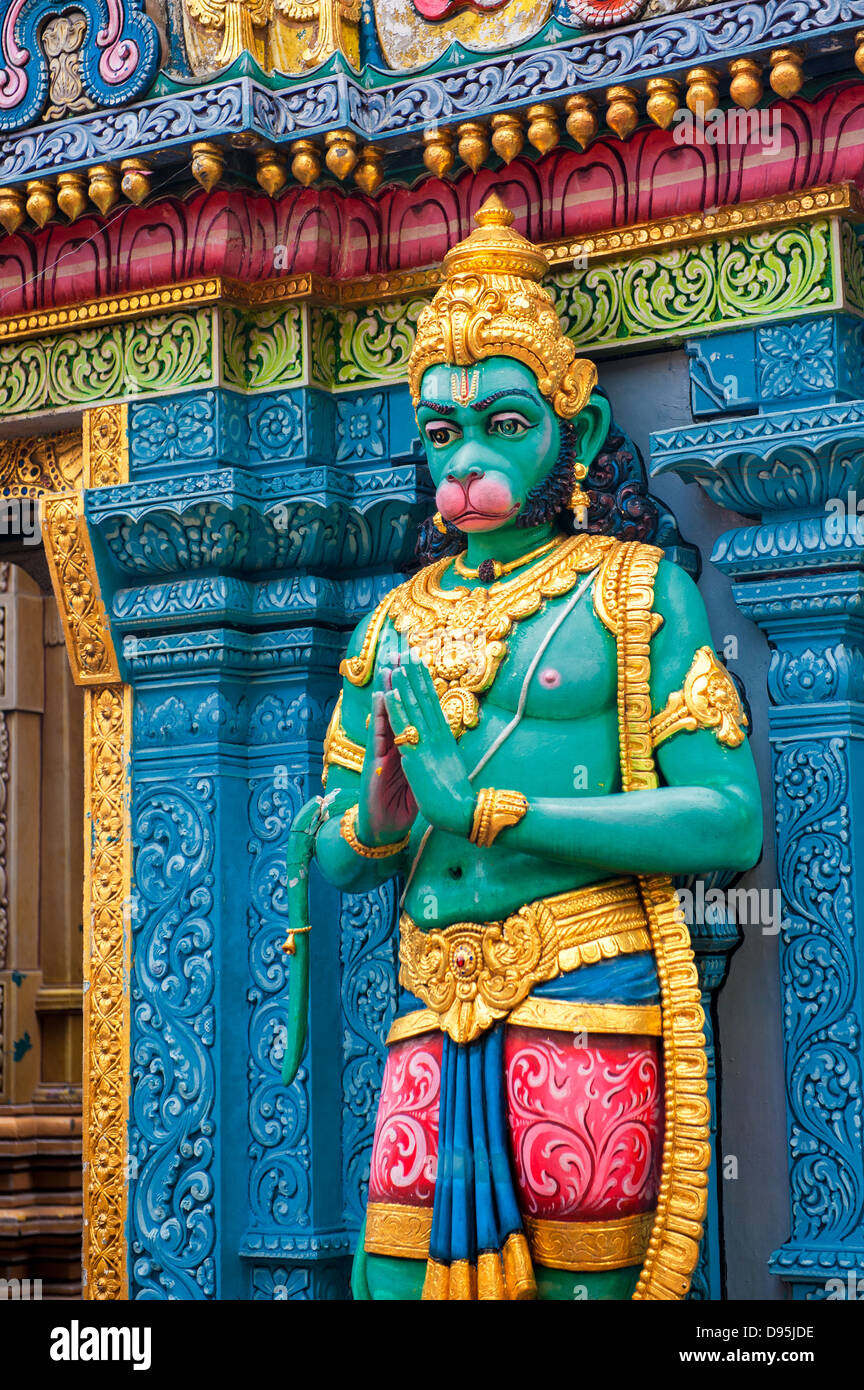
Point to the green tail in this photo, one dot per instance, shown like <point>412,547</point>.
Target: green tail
<point>301,848</point>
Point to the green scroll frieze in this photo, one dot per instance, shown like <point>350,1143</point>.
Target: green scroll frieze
<point>713,285</point>
<point>265,350</point>
<point>852,254</point>
<point>621,304</point>
<point>364,345</point>
<point>168,352</point>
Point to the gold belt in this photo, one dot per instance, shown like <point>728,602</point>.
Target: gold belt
<point>404,1231</point>
<point>472,974</point>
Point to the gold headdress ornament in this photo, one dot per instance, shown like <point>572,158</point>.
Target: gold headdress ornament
<point>493,305</point>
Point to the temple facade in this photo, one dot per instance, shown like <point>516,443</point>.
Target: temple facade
<point>219,223</point>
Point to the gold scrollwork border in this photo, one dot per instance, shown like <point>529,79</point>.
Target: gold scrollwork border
<point>76,588</point>
<point>682,1200</point>
<point>102,461</point>
<point>38,464</point>
<point>107,929</point>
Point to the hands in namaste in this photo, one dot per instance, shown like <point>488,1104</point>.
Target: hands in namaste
<point>412,760</point>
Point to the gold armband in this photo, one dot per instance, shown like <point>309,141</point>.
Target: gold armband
<point>707,700</point>
<point>358,669</point>
<point>494,812</point>
<point>339,748</point>
<point>348,831</point>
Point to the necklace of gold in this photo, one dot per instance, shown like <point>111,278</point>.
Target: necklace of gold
<point>495,569</point>
<point>459,633</point>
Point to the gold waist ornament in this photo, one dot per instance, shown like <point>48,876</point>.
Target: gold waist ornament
<point>404,1232</point>
<point>473,974</point>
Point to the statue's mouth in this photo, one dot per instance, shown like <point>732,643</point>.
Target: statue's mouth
<point>479,501</point>
<point>472,517</point>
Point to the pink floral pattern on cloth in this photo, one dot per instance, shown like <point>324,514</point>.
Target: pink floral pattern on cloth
<point>586,1123</point>
<point>405,1150</point>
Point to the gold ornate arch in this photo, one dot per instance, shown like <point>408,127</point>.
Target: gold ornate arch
<point>56,469</point>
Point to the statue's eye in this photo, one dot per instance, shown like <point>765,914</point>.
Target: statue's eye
<point>440,434</point>
<point>508,422</point>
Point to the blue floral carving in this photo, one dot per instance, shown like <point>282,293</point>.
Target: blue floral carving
<point>360,427</point>
<point>163,432</point>
<point>821,985</point>
<point>277,426</point>
<point>279,1144</point>
<point>795,358</point>
<point>369,955</point>
<point>172,1130</point>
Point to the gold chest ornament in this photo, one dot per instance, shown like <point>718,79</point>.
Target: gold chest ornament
<point>460,633</point>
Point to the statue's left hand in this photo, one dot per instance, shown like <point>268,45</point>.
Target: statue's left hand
<point>433,765</point>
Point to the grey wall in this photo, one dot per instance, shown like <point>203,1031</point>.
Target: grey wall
<point>651,393</point>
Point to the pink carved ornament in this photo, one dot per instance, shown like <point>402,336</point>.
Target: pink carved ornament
<point>405,1151</point>
<point>597,14</point>
<point>586,1123</point>
<point>443,9</point>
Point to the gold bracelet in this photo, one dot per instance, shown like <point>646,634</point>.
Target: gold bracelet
<point>348,831</point>
<point>494,812</point>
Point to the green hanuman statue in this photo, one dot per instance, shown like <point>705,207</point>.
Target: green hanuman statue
<point>534,732</point>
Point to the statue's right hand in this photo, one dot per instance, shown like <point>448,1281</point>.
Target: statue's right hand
<point>386,805</point>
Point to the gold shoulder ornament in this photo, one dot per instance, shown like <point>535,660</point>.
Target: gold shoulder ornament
<point>339,748</point>
<point>358,669</point>
<point>707,700</point>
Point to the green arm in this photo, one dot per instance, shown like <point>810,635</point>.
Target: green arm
<point>315,834</point>
<point>708,815</point>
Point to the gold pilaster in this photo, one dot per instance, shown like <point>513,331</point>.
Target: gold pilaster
<point>107,850</point>
<point>107,877</point>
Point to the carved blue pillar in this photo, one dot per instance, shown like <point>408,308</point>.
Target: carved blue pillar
<point>796,467</point>
<point>254,533</point>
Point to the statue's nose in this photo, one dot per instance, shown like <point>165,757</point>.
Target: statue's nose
<point>464,479</point>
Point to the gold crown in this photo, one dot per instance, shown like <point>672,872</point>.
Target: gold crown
<point>493,305</point>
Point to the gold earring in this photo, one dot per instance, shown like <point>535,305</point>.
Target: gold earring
<point>579,498</point>
<point>439,523</point>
